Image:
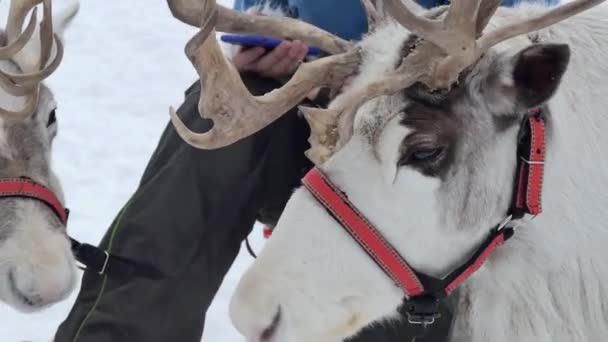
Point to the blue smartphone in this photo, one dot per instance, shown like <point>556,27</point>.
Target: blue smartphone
<point>265,42</point>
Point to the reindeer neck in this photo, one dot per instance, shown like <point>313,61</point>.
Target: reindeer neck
<point>552,273</point>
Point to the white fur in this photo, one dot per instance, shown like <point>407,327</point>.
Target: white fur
<point>40,258</point>
<point>36,251</point>
<point>548,284</point>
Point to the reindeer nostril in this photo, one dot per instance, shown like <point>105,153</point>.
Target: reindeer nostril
<point>30,300</point>
<point>269,332</point>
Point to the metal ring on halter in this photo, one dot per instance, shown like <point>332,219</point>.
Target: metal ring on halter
<point>418,320</point>
<point>504,223</point>
<point>105,263</point>
<point>529,162</point>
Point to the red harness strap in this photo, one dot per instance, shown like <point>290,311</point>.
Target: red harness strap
<point>457,277</point>
<point>531,167</point>
<point>363,232</point>
<point>382,252</point>
<point>23,187</point>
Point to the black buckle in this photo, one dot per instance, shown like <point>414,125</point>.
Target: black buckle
<point>422,310</point>
<point>100,261</point>
<point>90,256</point>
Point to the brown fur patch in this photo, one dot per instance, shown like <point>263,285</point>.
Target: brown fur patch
<point>433,127</point>
<point>504,122</point>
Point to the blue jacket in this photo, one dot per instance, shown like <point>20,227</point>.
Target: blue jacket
<point>344,18</point>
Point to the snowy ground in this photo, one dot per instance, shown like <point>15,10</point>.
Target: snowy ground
<point>124,67</point>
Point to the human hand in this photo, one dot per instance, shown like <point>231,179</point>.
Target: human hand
<point>276,63</point>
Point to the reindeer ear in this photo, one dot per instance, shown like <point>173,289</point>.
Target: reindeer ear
<point>538,71</point>
<point>64,19</point>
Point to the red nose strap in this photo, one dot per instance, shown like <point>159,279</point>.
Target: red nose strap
<point>26,188</point>
<point>363,232</point>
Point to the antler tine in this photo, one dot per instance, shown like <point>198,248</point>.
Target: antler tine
<point>280,27</point>
<point>462,18</point>
<point>324,135</point>
<point>191,12</point>
<point>374,15</point>
<point>425,28</point>
<point>46,34</point>
<point>39,76</point>
<point>452,34</point>
<point>12,48</point>
<point>485,13</point>
<point>553,16</point>
<point>14,89</point>
<point>225,99</point>
<point>30,106</point>
<point>17,13</point>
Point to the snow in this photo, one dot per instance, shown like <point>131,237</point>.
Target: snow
<point>124,66</point>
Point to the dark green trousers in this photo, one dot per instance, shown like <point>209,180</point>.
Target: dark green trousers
<point>188,218</point>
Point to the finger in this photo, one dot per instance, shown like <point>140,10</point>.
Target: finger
<point>302,50</point>
<point>289,63</point>
<point>295,56</point>
<point>246,57</point>
<point>272,58</point>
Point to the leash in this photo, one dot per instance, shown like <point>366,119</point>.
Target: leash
<point>249,249</point>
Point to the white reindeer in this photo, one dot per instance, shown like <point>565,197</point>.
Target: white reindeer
<point>37,267</point>
<point>425,147</point>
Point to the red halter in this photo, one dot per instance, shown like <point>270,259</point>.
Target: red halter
<point>424,292</point>
<point>27,188</point>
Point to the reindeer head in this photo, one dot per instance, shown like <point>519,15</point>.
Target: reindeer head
<point>36,264</point>
<point>422,141</point>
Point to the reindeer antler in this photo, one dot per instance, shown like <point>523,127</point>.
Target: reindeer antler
<point>459,35</point>
<point>448,47</point>
<point>192,12</point>
<point>373,12</point>
<point>224,98</point>
<point>28,83</point>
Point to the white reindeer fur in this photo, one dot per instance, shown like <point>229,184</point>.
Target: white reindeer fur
<point>547,284</point>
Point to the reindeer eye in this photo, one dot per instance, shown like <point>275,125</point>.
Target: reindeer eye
<point>421,155</point>
<point>52,118</point>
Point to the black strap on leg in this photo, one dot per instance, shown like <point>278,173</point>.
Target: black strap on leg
<point>102,262</point>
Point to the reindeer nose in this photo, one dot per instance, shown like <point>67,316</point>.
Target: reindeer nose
<point>37,286</point>
<point>26,296</point>
<point>257,314</point>
<point>271,330</point>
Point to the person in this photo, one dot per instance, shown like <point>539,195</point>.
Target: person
<point>193,208</point>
